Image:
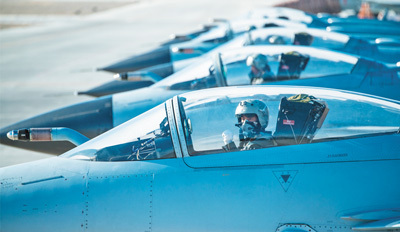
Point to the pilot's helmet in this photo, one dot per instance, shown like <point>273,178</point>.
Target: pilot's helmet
<point>303,38</point>
<point>259,61</point>
<point>276,39</point>
<point>256,107</point>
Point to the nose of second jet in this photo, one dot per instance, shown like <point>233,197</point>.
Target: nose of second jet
<point>145,78</point>
<point>88,118</point>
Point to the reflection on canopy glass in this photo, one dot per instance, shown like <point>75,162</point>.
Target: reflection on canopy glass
<point>145,138</point>
<point>211,117</point>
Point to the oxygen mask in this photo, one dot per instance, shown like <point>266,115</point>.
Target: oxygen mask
<point>248,130</point>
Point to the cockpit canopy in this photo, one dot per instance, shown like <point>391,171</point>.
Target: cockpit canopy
<point>230,68</point>
<point>201,117</point>
<point>303,36</point>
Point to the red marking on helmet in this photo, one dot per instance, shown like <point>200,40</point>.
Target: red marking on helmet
<point>288,122</point>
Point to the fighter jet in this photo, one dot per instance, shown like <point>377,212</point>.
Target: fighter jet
<point>323,20</point>
<point>191,48</point>
<point>287,65</point>
<point>211,35</point>
<point>387,50</point>
<point>222,32</point>
<point>383,49</point>
<point>259,18</point>
<point>168,169</point>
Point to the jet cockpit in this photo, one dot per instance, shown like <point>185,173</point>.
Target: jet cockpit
<point>192,124</point>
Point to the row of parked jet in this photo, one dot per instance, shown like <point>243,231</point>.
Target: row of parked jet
<point>279,120</point>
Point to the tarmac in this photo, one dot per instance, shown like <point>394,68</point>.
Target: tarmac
<point>51,49</point>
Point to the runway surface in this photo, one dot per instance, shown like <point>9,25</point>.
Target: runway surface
<point>48,57</point>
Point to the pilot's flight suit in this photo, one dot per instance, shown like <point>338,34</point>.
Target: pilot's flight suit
<point>262,140</point>
<point>261,77</point>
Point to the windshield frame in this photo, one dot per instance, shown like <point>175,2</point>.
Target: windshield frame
<point>142,134</point>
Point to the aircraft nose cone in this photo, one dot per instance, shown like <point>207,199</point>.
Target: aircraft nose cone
<point>115,87</point>
<point>12,135</point>
<point>157,56</point>
<point>123,85</point>
<point>88,118</point>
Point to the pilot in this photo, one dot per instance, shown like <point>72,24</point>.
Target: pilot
<point>260,70</point>
<point>252,116</point>
<point>303,38</point>
<point>276,39</point>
